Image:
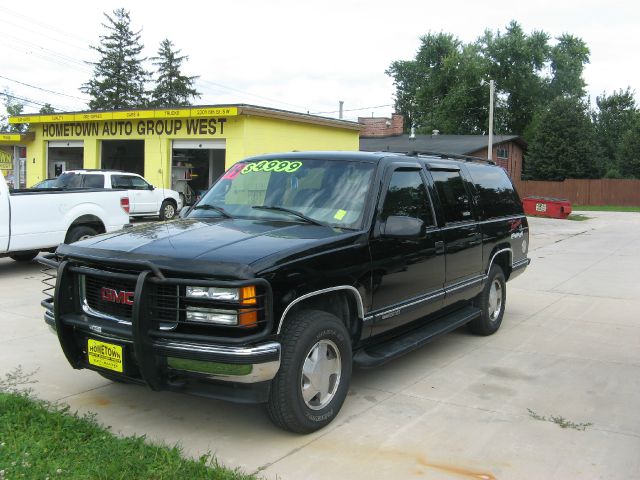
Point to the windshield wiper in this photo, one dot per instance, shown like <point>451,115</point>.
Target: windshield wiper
<point>206,206</point>
<point>292,212</point>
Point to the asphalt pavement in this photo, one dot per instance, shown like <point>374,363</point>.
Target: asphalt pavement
<point>554,394</point>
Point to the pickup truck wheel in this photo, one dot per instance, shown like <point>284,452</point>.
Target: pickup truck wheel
<point>491,301</point>
<point>80,232</point>
<point>167,210</point>
<point>24,256</point>
<point>315,369</point>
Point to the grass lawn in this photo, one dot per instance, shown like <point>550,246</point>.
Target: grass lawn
<point>606,208</point>
<point>42,441</point>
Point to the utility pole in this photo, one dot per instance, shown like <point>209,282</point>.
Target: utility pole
<point>492,89</point>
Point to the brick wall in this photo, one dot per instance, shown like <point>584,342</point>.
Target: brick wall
<point>381,126</point>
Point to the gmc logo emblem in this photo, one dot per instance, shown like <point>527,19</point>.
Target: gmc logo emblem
<point>113,296</point>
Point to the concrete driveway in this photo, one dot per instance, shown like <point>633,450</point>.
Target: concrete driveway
<point>461,407</point>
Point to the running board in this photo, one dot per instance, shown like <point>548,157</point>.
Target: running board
<point>382,353</point>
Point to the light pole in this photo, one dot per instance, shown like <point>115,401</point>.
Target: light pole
<point>492,88</point>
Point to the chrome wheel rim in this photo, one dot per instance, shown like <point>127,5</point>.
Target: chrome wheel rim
<point>495,300</point>
<point>321,374</point>
<point>169,211</point>
<point>84,237</point>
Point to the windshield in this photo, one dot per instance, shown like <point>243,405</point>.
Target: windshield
<point>328,192</point>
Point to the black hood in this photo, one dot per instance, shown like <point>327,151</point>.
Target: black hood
<point>236,248</point>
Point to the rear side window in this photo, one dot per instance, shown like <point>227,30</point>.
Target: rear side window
<point>454,198</point>
<point>496,196</point>
<point>138,183</point>
<point>121,181</point>
<point>407,197</point>
<point>93,181</point>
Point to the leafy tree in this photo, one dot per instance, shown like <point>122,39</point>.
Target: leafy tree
<point>516,62</point>
<point>118,76</point>
<point>172,87</point>
<point>568,58</point>
<point>563,143</point>
<point>614,117</point>
<point>441,89</point>
<point>629,152</point>
<point>445,86</point>
<point>13,107</point>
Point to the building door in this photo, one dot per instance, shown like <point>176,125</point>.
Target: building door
<point>64,155</point>
<point>196,165</point>
<point>125,155</point>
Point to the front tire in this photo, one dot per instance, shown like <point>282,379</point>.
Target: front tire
<point>313,380</point>
<point>492,302</point>
<point>24,256</point>
<point>167,210</point>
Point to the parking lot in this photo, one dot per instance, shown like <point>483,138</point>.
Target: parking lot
<point>567,355</point>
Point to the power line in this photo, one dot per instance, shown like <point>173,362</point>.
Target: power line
<point>43,89</point>
<point>251,94</point>
<point>353,109</point>
<point>27,100</point>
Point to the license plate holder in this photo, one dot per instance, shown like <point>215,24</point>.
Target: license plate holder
<point>109,356</point>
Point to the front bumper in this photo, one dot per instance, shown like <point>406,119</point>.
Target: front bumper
<point>163,360</point>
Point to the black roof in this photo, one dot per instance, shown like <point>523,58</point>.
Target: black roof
<point>451,144</point>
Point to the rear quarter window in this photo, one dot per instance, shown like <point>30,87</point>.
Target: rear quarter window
<point>496,195</point>
<point>93,181</point>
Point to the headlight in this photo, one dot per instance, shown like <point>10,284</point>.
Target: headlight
<point>212,315</point>
<point>201,309</point>
<point>214,293</point>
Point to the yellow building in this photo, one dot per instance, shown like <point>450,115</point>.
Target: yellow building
<point>170,147</point>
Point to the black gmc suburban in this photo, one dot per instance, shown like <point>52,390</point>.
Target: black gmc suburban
<point>291,269</point>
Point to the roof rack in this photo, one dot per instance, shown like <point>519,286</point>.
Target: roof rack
<point>465,158</point>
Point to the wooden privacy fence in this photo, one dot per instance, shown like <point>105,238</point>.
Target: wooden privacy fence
<point>585,192</point>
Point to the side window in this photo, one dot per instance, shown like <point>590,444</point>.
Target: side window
<point>120,181</point>
<point>407,197</point>
<point>93,181</point>
<point>453,196</point>
<point>497,197</point>
<point>74,181</point>
<point>138,183</point>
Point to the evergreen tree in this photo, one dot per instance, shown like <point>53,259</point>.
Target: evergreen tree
<point>47,109</point>
<point>118,76</point>
<point>563,143</point>
<point>172,87</point>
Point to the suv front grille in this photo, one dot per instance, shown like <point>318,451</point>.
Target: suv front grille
<point>114,298</point>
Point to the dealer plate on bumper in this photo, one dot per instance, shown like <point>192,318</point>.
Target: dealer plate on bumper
<point>105,355</point>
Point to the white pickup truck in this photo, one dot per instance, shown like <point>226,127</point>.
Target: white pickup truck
<point>35,220</point>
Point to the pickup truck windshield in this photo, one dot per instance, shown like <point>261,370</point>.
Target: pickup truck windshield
<point>326,191</point>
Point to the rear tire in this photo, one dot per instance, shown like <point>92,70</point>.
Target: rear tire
<point>80,232</point>
<point>167,210</point>
<point>24,256</point>
<point>313,379</point>
<point>492,302</point>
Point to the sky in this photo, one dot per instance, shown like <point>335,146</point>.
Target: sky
<point>303,56</point>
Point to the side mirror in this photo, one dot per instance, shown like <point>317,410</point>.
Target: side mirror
<point>151,187</point>
<point>402,227</point>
